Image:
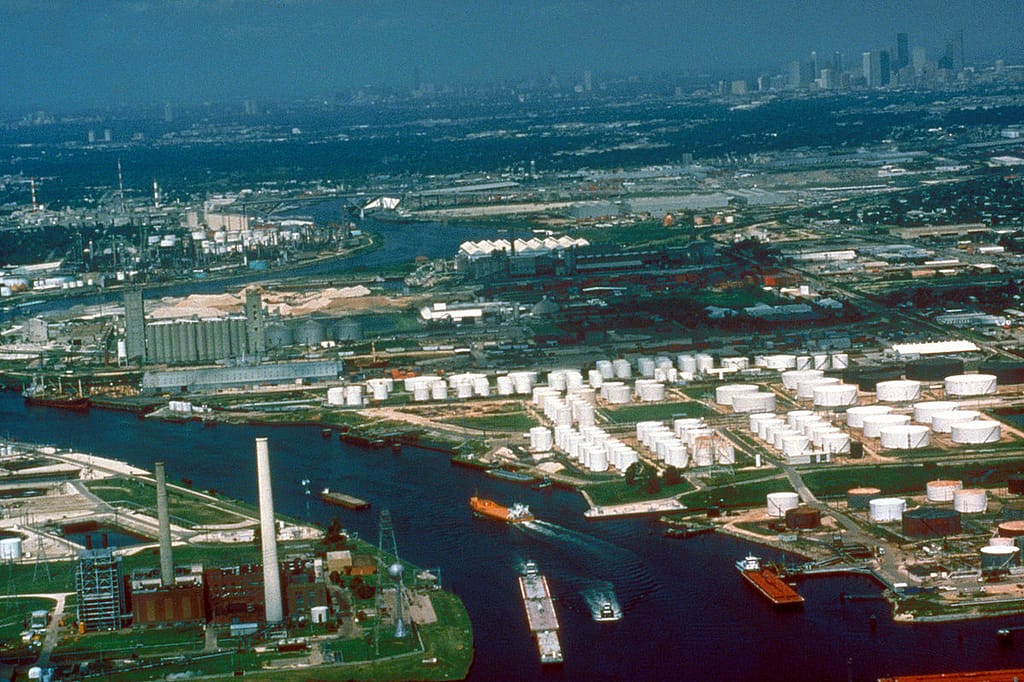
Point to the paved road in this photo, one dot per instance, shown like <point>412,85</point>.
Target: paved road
<point>53,627</point>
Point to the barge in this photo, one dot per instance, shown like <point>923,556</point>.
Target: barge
<point>540,614</point>
<point>768,583</point>
<point>343,500</point>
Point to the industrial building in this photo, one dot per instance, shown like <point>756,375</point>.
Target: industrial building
<point>213,378</point>
<point>234,594</point>
<point>99,583</point>
<point>154,603</point>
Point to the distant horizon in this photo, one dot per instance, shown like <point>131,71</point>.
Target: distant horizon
<point>71,56</point>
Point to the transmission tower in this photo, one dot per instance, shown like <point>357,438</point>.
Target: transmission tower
<point>387,557</point>
<point>40,558</point>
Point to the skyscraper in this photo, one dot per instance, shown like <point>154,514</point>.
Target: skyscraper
<point>876,68</point>
<point>954,57</point>
<point>902,50</point>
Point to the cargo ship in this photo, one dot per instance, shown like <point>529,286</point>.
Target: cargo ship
<point>513,476</point>
<point>768,583</point>
<point>37,395</point>
<point>517,513</point>
<point>540,614</point>
<point>343,500</point>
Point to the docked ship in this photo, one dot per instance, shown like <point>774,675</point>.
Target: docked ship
<point>517,513</point>
<point>38,395</point>
<point>540,614</point>
<point>768,583</point>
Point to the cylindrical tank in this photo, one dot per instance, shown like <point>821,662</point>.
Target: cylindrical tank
<point>724,394</point>
<point>421,392</point>
<point>336,395</point>
<point>804,362</point>
<point>354,396</point>
<point>970,501</point>
<point>898,391</point>
<point>645,367</point>
<point>348,329</point>
<point>931,522</point>
<point>923,412</point>
<point>10,548</point>
<point>905,437</point>
<point>792,378</point>
<point>858,498</point>
<point>464,390</point>
<point>793,446</point>
<point>805,389</point>
<point>735,362</point>
<point>839,360</point>
<point>942,422</point>
<point>687,363</point>
<point>982,431</point>
<point>971,384</point>
<point>481,387</point>
<point>757,417</point>
<point>793,416</point>
<point>780,435</point>
<point>650,391</point>
<point>802,517</point>
<point>505,385</point>
<point>942,490</point>
<point>605,368</point>
<point>540,439</point>
<point>934,368</point>
<point>1015,484</point>
<point>622,369</point>
<point>595,378</point>
<point>1005,371</point>
<point>766,428</point>
<point>836,443</point>
<point>780,503</point>
<point>995,559</point>
<point>279,335</point>
<point>855,416</point>
<point>753,402</point>
<point>439,390</point>
<point>886,509</point>
<point>780,362</point>
<point>874,423</point>
<point>705,362</point>
<point>835,395</point>
<point>1011,529</point>
<point>310,333</point>
<point>617,394</point>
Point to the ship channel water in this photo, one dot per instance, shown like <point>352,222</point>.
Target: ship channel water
<point>687,614</point>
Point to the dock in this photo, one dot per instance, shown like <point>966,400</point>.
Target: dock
<point>343,500</point>
<point>540,614</point>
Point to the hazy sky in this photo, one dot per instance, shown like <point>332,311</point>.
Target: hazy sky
<point>69,53</point>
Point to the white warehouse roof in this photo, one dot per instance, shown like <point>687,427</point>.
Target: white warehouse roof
<point>934,348</point>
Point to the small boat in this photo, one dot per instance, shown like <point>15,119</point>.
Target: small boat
<point>542,484</point>
<point>607,613</point>
<point>325,433</point>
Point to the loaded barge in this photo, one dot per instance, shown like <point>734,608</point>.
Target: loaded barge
<point>540,614</point>
<point>343,500</point>
<point>768,583</point>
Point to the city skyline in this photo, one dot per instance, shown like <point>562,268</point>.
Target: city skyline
<point>68,55</point>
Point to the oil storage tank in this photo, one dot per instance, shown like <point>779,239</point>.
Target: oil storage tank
<point>942,490</point>
<point>924,411</point>
<point>970,501</point>
<point>873,424</point>
<point>970,384</point>
<point>942,422</point>
<point>836,443</point>
<point>835,395</point>
<point>792,378</point>
<point>975,432</point>
<point>10,547</point>
<point>999,558</point>
<point>855,416</point>
<point>858,498</point>
<point>931,522</point>
<point>1015,484</point>
<point>780,503</point>
<point>898,391</point>
<point>724,394</point>
<point>905,437</point>
<point>886,509</point>
<point>934,369</point>
<point>753,402</point>
<point>803,518</point>
<point>1005,371</point>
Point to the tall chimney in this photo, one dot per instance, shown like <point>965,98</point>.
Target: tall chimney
<point>268,534</point>
<point>164,517</point>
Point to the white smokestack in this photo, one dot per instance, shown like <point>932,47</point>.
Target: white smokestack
<point>164,518</point>
<point>268,532</point>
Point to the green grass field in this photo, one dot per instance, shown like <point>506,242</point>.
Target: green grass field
<point>627,414</point>
<point>136,494</point>
<point>15,612</point>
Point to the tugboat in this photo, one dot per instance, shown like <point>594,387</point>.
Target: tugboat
<point>607,613</point>
<point>517,513</point>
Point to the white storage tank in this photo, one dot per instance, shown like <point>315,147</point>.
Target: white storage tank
<point>835,395</point>
<point>942,422</point>
<point>540,439</point>
<point>598,459</point>
<point>481,387</point>
<point>818,430</point>
<point>855,415</point>
<point>981,431</point>
<point>923,412</point>
<point>556,380</point>
<point>687,363</point>
<point>795,445</point>
<point>839,360</point>
<point>780,362</point>
<point>804,362</point>
<point>439,390</point>
<point>970,501</point>
<point>464,390</point>
<point>725,393</point>
<point>780,503</point>
<point>898,391</point>
<point>505,385</point>
<point>971,384</point>
<point>836,443</point>
<point>618,394</point>
<point>793,416</point>
<point>792,378</point>
<point>523,382</point>
<point>886,509</point>
<point>605,368</point>
<point>779,436</point>
<point>583,412</point>
<point>10,548</point>
<point>595,378</point>
<point>541,393</point>
<point>942,490</point>
<point>874,423</point>
<point>766,428</point>
<point>905,437</point>
<point>705,362</point>
<point>821,361</point>
<point>354,396</point>
<point>735,362</point>
<point>650,391</point>
<point>622,369</point>
<point>336,395</point>
<point>421,392</point>
<point>805,389</point>
<point>645,367</point>
<point>759,417</point>
<point>753,402</point>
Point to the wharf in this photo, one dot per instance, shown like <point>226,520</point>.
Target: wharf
<point>540,614</point>
<point>1008,675</point>
<point>670,504</point>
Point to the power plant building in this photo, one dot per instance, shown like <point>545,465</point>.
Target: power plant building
<point>234,594</point>
<point>154,603</point>
<point>99,583</point>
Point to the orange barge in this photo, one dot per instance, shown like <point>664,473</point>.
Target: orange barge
<point>977,676</point>
<point>517,513</point>
<point>768,583</point>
